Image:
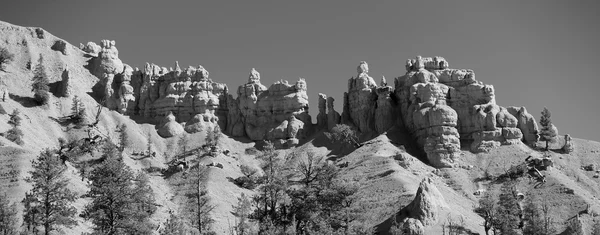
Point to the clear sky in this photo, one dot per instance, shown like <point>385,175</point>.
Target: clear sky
<point>535,53</point>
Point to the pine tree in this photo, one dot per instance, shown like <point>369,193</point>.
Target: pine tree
<point>40,85</point>
<point>173,226</point>
<point>122,202</point>
<point>78,113</point>
<point>343,133</point>
<point>213,136</point>
<point>242,213</point>
<point>508,210</point>
<point>123,138</point>
<point>197,203</point>
<point>15,134</point>
<point>8,216</point>
<point>48,203</point>
<point>548,132</point>
<point>487,210</point>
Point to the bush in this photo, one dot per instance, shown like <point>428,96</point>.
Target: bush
<point>5,58</point>
<point>246,182</point>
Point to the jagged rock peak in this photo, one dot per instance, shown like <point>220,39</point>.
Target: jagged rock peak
<point>383,81</point>
<point>254,76</point>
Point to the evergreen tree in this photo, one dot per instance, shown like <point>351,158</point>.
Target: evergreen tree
<point>40,85</point>
<point>213,136</point>
<point>48,203</point>
<point>242,212</point>
<point>173,226</point>
<point>487,210</point>
<point>548,131</point>
<point>8,216</point>
<point>15,134</point>
<point>5,58</point>
<point>78,113</point>
<point>123,138</point>
<point>122,202</point>
<point>508,211</point>
<point>197,202</point>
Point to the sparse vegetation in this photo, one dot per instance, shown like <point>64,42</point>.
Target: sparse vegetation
<point>548,132</point>
<point>5,58</point>
<point>197,204</point>
<point>49,203</point>
<point>15,134</point>
<point>40,83</point>
<point>8,216</point>
<point>78,113</point>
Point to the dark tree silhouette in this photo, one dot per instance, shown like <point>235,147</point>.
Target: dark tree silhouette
<point>40,85</point>
<point>48,203</point>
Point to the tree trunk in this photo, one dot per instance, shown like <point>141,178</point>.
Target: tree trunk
<point>546,145</point>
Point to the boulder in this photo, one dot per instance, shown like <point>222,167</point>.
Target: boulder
<point>169,127</point>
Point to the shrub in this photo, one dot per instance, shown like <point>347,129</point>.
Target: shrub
<point>5,58</point>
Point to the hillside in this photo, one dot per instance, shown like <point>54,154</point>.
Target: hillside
<point>388,167</point>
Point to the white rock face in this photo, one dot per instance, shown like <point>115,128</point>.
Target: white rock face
<point>526,123</point>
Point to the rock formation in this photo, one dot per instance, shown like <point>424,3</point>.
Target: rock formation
<point>439,106</point>
<point>322,116</point>
<point>360,99</point>
<point>61,46</point>
<point>66,88</point>
<point>169,127</point>
<point>90,48</point>
<point>279,113</point>
<point>425,210</point>
<point>469,111</point>
<point>568,147</point>
<point>333,117</point>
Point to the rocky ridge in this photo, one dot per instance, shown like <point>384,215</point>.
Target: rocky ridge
<point>440,106</point>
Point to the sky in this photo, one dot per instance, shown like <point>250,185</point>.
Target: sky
<point>535,53</point>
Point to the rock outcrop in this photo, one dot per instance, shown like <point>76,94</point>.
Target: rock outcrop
<point>427,203</point>
<point>430,82</point>
<point>322,116</point>
<point>333,117</point>
<point>90,48</point>
<point>569,147</point>
<point>169,127</point>
<point>439,106</point>
<point>526,123</point>
<point>61,46</point>
<point>279,113</point>
<point>66,86</point>
<point>360,99</point>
